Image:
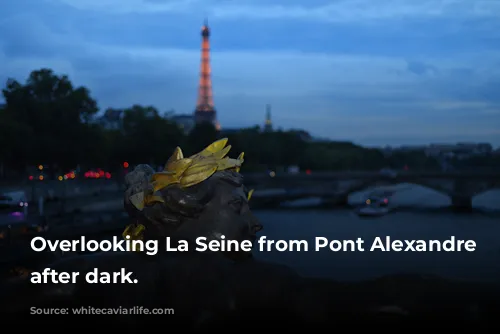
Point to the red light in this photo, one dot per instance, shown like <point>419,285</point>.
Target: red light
<point>94,175</point>
<point>108,175</point>
<point>386,200</point>
<point>31,177</point>
<point>125,164</point>
<point>308,172</point>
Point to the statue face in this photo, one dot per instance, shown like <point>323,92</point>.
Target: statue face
<point>228,214</point>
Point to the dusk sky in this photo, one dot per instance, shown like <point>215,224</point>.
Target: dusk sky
<point>375,72</point>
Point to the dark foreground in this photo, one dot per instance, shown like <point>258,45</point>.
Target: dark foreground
<point>210,292</point>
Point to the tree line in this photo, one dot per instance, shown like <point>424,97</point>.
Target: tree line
<point>49,120</point>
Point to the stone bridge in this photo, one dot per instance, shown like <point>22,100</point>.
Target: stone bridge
<point>460,187</point>
<point>331,186</point>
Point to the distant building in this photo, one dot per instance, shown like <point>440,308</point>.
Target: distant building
<point>484,148</point>
<point>205,110</point>
<point>185,122</point>
<point>410,148</point>
<point>458,150</point>
<point>188,122</point>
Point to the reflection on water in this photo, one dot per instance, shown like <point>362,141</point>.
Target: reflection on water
<point>411,195</point>
<point>415,195</point>
<point>483,264</point>
<point>11,218</point>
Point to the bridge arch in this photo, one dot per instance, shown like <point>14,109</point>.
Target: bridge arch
<point>488,198</point>
<point>447,191</point>
<point>392,182</point>
<point>460,198</point>
<point>459,188</point>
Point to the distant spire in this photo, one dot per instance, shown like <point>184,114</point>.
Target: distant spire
<point>205,30</point>
<point>268,125</point>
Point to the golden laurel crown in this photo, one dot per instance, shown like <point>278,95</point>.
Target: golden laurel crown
<point>187,172</point>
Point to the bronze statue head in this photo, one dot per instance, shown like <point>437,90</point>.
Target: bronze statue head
<point>199,196</point>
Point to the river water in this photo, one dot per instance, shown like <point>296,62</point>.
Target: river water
<point>424,224</point>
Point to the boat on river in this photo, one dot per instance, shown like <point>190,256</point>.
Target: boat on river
<point>377,204</point>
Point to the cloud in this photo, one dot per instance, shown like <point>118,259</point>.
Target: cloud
<point>420,68</point>
<point>361,10</point>
<point>325,10</point>
<point>126,6</point>
<point>378,92</point>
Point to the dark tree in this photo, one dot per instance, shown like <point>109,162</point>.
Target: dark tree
<point>201,134</point>
<point>53,113</point>
<point>147,137</point>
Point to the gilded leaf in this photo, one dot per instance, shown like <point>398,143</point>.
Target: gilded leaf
<point>152,199</point>
<point>138,231</point>
<point>162,175</point>
<point>214,147</point>
<point>250,193</point>
<point>137,200</point>
<point>177,155</point>
<point>179,166</point>
<point>163,180</point>
<point>206,161</point>
<point>222,153</point>
<point>240,157</point>
<point>228,163</point>
<point>193,179</point>
<point>127,231</point>
<point>161,184</point>
<point>200,169</point>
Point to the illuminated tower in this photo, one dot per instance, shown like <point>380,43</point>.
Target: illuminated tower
<point>268,125</point>
<point>205,111</point>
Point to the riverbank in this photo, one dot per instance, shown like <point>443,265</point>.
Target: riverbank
<point>117,204</point>
<point>488,212</point>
